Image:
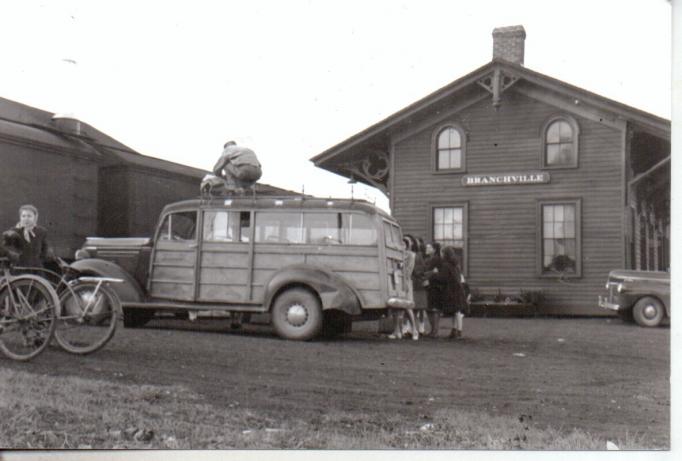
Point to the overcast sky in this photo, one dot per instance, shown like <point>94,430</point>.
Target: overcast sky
<point>290,79</point>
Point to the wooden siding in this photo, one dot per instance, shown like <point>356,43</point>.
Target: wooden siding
<point>503,222</point>
<point>357,265</point>
<point>173,271</point>
<point>63,187</point>
<point>224,273</point>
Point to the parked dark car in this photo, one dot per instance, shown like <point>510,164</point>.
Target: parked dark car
<point>640,295</point>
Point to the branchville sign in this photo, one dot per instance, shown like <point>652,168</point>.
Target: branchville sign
<point>505,179</point>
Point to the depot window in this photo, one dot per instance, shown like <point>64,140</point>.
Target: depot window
<point>450,229</point>
<point>560,241</point>
<point>560,143</point>
<point>449,149</point>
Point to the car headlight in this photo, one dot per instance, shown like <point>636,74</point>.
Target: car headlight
<point>620,288</point>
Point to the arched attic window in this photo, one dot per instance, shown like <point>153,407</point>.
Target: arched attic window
<point>449,149</point>
<point>560,143</point>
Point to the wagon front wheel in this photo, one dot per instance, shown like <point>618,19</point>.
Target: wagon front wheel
<point>297,314</point>
<point>648,312</point>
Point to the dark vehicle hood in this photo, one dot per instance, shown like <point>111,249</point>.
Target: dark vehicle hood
<point>640,275</point>
<point>117,242</point>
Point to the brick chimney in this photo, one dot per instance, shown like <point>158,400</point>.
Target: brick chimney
<point>509,43</point>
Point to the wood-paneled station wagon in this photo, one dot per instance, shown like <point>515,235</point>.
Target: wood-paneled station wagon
<point>313,264</point>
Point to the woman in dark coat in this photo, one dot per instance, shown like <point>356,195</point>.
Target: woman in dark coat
<point>454,297</point>
<point>29,239</point>
<point>434,286</point>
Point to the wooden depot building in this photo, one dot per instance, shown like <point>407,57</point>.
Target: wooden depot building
<point>540,185</point>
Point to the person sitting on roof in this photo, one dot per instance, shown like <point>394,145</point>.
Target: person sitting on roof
<point>238,166</point>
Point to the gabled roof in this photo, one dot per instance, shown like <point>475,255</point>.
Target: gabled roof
<point>635,116</point>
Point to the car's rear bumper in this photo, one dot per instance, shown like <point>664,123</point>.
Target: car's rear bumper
<point>605,304</point>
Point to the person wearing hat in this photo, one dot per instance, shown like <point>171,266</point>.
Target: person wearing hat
<point>238,166</point>
<point>28,239</point>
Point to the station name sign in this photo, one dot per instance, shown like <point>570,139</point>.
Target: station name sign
<point>505,179</point>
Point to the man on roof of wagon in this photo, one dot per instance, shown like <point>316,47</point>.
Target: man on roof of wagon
<point>238,166</point>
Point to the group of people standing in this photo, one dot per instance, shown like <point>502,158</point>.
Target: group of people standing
<point>436,285</point>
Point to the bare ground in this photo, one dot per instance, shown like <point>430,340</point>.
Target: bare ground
<point>597,375</point>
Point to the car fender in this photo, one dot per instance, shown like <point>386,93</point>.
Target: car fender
<point>128,291</point>
<point>333,291</point>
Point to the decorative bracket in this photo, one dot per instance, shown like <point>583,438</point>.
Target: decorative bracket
<point>373,169</point>
<point>496,83</point>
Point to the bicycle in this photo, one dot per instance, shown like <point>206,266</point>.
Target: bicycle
<point>28,310</point>
<point>89,309</point>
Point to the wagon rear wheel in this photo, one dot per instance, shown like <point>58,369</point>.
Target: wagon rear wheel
<point>297,314</point>
<point>648,312</point>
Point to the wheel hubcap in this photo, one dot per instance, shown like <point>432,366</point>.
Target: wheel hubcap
<point>297,315</point>
<point>650,311</point>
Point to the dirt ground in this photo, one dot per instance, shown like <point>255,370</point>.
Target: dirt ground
<point>598,375</point>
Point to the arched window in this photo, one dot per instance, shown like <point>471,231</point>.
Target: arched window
<point>560,143</point>
<point>449,150</point>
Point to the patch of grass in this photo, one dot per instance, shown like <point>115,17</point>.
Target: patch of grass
<point>65,412</point>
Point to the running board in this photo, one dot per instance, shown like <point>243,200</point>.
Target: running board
<point>174,306</point>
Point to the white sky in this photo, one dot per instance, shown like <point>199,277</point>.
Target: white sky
<point>176,79</point>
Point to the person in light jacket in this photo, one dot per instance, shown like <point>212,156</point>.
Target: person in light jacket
<point>400,326</point>
<point>238,166</point>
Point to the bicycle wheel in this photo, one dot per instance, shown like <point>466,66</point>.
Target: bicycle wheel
<point>28,306</point>
<point>87,320</point>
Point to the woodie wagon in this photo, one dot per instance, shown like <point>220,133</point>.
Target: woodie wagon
<point>313,264</point>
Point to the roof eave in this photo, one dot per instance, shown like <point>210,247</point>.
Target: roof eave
<point>647,121</point>
<point>401,115</point>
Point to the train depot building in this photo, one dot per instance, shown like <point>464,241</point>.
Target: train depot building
<point>540,185</point>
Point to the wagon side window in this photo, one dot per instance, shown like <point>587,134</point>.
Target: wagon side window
<point>359,229</point>
<point>180,226</point>
<point>280,227</point>
<point>323,228</point>
<point>226,226</point>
